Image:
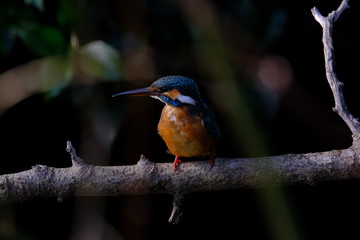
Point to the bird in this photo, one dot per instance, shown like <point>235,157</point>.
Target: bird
<point>187,124</point>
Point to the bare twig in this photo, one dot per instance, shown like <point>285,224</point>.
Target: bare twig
<point>176,212</point>
<point>336,86</point>
<point>75,159</point>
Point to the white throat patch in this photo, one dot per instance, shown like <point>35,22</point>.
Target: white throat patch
<point>186,99</point>
<point>157,97</point>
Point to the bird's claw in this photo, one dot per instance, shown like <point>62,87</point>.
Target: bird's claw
<point>177,161</point>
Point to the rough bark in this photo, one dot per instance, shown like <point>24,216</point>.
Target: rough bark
<point>147,177</point>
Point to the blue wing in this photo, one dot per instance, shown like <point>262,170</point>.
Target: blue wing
<point>209,122</point>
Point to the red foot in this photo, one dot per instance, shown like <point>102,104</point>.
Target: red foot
<point>176,162</point>
<point>212,160</point>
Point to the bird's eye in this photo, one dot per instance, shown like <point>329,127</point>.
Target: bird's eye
<point>163,89</point>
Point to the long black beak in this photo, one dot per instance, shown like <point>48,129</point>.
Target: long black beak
<point>137,92</point>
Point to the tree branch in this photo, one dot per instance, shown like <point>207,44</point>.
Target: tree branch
<point>147,177</point>
<point>336,86</point>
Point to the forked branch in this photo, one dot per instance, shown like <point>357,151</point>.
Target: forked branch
<point>327,24</point>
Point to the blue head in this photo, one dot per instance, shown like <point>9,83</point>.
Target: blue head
<point>173,90</point>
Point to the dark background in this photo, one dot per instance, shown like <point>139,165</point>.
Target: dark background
<point>260,66</point>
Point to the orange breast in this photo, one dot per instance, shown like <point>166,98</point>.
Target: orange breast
<point>184,134</point>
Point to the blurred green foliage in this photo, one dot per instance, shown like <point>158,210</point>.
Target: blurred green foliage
<point>47,34</point>
<point>43,40</point>
<point>27,22</point>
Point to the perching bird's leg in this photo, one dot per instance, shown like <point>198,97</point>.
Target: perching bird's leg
<point>176,162</point>
<point>212,160</point>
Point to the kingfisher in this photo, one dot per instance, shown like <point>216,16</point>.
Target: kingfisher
<point>187,124</point>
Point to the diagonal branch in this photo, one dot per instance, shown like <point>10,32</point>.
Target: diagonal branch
<point>335,85</point>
